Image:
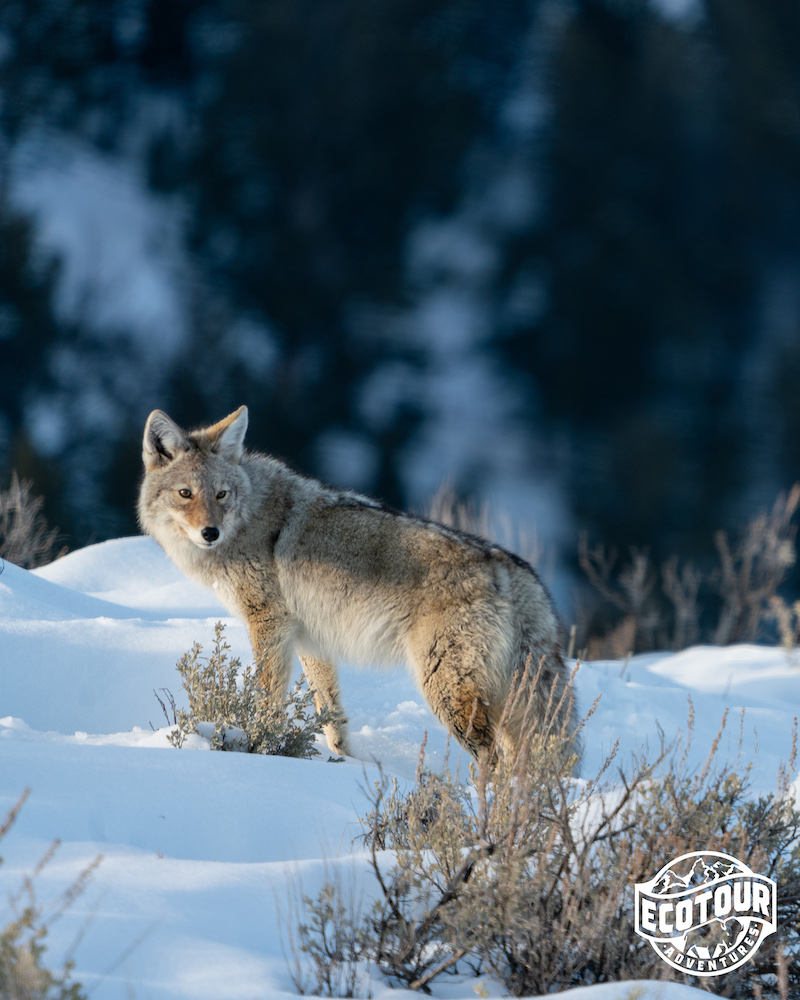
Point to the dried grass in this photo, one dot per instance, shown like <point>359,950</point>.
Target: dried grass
<point>25,538</point>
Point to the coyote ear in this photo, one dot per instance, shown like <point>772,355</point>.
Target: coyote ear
<point>227,436</point>
<point>163,440</point>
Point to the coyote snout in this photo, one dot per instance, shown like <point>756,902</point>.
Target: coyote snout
<point>327,574</point>
<point>200,517</point>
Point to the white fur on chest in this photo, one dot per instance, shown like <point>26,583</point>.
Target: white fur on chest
<point>332,626</point>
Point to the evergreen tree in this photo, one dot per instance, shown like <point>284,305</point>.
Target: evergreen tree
<point>659,192</point>
<point>332,128</point>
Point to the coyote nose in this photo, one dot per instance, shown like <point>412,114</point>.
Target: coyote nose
<point>210,534</point>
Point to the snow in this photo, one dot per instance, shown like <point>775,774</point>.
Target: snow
<point>200,847</point>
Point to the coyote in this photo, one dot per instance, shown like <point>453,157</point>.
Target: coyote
<point>329,574</point>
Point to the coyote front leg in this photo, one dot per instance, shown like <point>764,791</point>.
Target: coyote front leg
<point>271,636</point>
<point>323,681</point>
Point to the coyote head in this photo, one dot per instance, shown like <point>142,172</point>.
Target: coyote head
<point>193,479</point>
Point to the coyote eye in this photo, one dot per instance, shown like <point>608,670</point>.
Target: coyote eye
<point>222,494</point>
<point>186,494</point>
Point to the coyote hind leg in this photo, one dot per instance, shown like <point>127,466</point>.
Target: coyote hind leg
<point>324,682</point>
<point>454,684</point>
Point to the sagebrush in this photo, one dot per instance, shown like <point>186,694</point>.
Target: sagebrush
<point>526,875</point>
<point>24,974</point>
<point>329,944</point>
<point>228,705</point>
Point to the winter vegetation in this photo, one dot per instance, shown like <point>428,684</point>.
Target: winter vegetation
<point>524,876</point>
<point>226,704</point>
<point>24,972</point>
<point>25,537</point>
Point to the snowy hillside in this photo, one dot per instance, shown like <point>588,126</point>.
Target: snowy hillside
<point>197,844</point>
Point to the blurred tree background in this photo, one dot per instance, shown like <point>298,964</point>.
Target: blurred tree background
<point>523,241</point>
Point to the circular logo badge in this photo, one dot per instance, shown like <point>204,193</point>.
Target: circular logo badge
<point>705,913</point>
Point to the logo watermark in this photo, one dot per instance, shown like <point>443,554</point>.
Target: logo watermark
<point>706,913</point>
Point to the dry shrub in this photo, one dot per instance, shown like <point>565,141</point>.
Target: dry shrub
<point>751,571</point>
<point>23,973</point>
<point>678,604</point>
<point>328,955</point>
<point>787,618</point>
<point>630,591</point>
<point>527,874</point>
<point>227,705</point>
<point>25,538</point>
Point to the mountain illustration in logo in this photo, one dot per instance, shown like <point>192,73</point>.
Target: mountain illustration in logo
<point>701,873</point>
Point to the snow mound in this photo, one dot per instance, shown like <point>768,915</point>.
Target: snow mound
<point>27,596</point>
<point>135,573</point>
